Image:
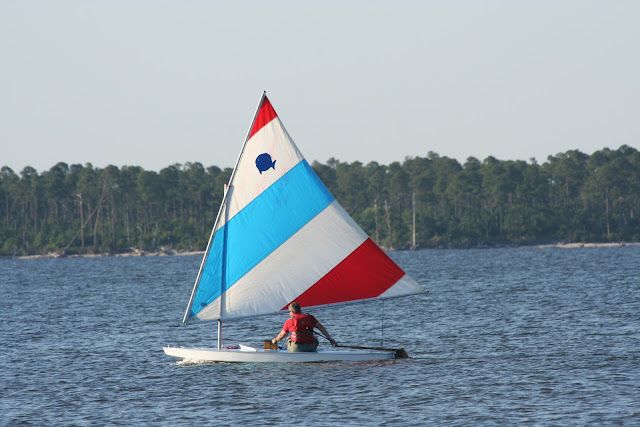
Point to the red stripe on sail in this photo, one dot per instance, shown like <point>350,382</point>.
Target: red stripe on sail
<point>366,273</point>
<point>264,116</point>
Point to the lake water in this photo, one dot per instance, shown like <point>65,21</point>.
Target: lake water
<point>543,336</point>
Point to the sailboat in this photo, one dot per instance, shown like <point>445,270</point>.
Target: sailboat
<point>280,236</point>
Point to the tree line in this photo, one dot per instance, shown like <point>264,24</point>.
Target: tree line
<point>423,202</point>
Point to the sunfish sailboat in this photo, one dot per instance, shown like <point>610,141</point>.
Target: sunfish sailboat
<point>279,237</point>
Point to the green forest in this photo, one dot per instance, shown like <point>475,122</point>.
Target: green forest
<point>423,202</point>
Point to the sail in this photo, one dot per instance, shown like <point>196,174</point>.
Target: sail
<point>280,236</point>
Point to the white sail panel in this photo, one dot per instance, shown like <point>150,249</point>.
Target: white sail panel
<point>405,286</point>
<point>249,179</point>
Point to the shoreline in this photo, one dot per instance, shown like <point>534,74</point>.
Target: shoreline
<point>117,255</point>
<point>138,253</point>
<point>587,245</point>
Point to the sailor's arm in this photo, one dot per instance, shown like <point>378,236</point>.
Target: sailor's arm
<point>325,333</point>
<point>281,335</point>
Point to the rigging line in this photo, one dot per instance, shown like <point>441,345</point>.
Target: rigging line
<point>321,334</point>
<point>324,336</point>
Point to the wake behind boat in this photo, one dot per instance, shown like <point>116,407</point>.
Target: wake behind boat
<point>280,236</point>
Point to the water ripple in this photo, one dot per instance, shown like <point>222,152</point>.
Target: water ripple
<point>506,336</point>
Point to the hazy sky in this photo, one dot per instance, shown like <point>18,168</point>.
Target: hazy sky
<point>151,83</point>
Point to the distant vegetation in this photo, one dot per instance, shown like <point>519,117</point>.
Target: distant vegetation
<point>572,197</point>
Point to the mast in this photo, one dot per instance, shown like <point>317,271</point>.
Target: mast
<point>223,277</point>
<point>389,237</point>
<point>215,224</point>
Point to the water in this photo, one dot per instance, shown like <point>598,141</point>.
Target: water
<point>505,336</point>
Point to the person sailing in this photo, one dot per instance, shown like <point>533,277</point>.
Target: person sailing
<point>301,327</point>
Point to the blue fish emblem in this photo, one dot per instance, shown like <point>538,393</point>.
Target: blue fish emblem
<point>264,162</point>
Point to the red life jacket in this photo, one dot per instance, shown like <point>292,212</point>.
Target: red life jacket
<point>302,328</point>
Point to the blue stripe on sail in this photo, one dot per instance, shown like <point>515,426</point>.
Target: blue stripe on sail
<point>260,228</point>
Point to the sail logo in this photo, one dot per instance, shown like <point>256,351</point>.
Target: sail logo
<point>264,162</point>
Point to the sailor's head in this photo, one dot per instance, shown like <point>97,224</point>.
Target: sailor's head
<point>294,307</point>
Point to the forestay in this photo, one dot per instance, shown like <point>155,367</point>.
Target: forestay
<point>280,236</point>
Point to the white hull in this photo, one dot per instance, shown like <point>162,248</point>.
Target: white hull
<point>253,355</point>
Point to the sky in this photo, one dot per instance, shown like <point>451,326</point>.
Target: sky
<point>153,83</point>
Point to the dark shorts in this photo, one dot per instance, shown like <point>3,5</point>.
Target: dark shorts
<point>294,346</point>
